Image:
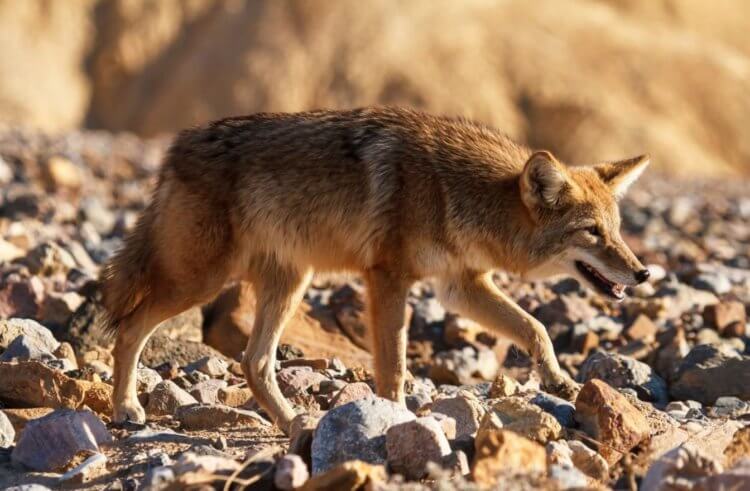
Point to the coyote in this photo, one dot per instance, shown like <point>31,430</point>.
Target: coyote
<point>393,194</point>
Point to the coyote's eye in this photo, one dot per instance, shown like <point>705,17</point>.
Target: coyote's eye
<point>594,231</point>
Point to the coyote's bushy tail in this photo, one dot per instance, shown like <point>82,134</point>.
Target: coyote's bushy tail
<point>125,279</point>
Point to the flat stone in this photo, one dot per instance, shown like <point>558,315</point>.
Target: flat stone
<point>54,442</point>
<point>355,431</point>
<point>298,380</point>
<point>527,419</point>
<point>608,417</point>
<point>412,445</point>
<point>235,395</point>
<point>212,416</point>
<point>208,391</point>
<point>503,451</point>
<point>464,408</point>
<point>166,398</point>
<point>210,365</point>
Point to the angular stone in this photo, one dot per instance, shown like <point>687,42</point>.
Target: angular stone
<point>56,442</point>
<point>464,408</point>
<point>709,372</point>
<point>210,365</point>
<point>352,475</point>
<point>412,445</point>
<point>524,418</point>
<point>624,372</point>
<point>20,298</point>
<point>147,379</point>
<point>20,417</point>
<point>642,328</point>
<point>351,392</point>
<point>500,452</point>
<point>166,398</point>
<point>608,417</point>
<point>39,335</point>
<point>235,395</point>
<point>722,315</point>
<point>503,386</point>
<point>207,391</point>
<point>355,431</point>
<point>25,348</point>
<point>291,472</point>
<point>7,432</point>
<point>298,380</point>
<point>588,461</point>
<point>31,383</point>
<point>212,416</point>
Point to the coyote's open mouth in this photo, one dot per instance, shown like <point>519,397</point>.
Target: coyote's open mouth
<point>610,288</point>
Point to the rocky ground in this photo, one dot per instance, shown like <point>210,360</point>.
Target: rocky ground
<point>665,374</point>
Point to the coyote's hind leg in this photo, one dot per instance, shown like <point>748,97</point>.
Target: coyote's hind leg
<point>279,290</point>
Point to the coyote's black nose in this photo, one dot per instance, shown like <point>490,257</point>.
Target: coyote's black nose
<point>642,275</point>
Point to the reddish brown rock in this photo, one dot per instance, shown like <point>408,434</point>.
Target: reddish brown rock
<point>502,452</point>
<point>234,396</point>
<point>233,314</point>
<point>642,328</point>
<point>608,417</point>
<point>726,316</point>
<point>34,384</point>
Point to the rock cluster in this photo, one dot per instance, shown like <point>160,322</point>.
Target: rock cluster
<point>668,366</point>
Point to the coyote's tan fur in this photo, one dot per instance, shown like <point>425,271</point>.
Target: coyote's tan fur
<point>394,194</point>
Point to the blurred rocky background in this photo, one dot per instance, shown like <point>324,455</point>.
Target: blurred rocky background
<point>588,79</point>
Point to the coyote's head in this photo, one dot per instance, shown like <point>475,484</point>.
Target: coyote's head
<point>577,222</point>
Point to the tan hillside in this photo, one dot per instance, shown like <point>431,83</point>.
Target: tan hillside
<point>587,79</point>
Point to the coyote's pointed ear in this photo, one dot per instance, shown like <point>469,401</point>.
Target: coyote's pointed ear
<point>544,182</point>
<point>620,175</point>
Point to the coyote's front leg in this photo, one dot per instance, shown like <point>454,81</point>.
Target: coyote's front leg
<point>477,297</point>
<point>387,307</point>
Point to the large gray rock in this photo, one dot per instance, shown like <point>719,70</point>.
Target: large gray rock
<point>39,335</point>
<point>26,348</point>
<point>709,372</point>
<point>50,443</point>
<point>624,372</point>
<point>355,431</point>
<point>7,432</point>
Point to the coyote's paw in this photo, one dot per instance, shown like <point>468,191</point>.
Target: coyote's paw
<point>129,411</point>
<point>564,387</point>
